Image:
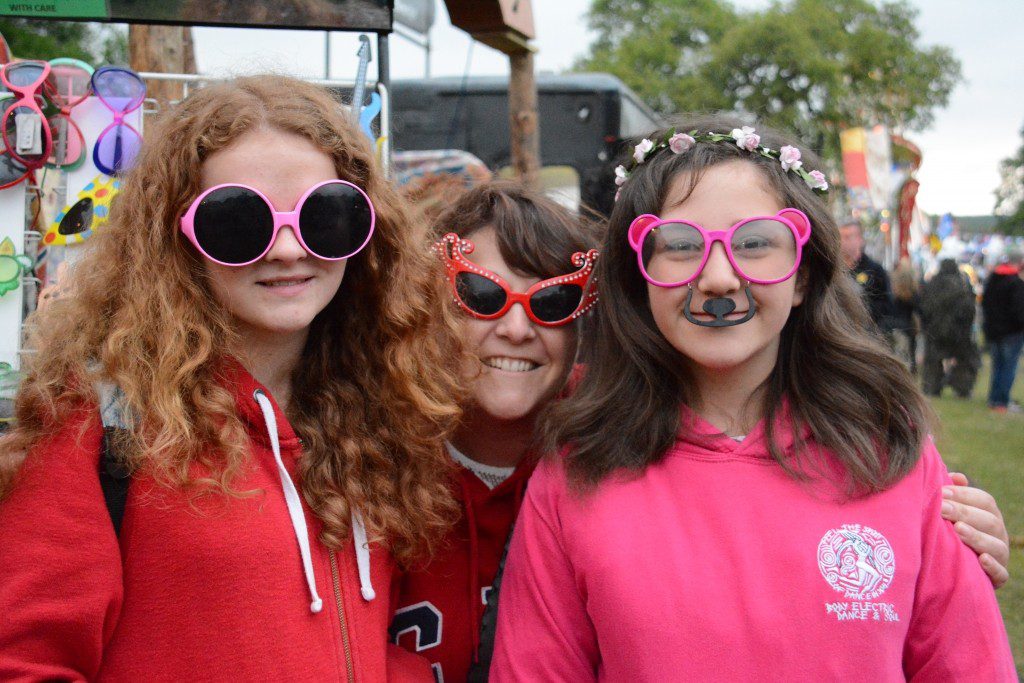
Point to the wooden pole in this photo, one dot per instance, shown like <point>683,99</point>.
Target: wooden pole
<point>507,26</point>
<point>163,49</point>
<point>524,125</point>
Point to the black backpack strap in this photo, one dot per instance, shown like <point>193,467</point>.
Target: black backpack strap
<point>113,474</point>
<point>480,668</point>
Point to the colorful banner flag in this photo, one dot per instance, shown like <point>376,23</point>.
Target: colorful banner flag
<point>852,142</point>
<point>945,228</point>
<point>878,162</point>
<point>905,215</point>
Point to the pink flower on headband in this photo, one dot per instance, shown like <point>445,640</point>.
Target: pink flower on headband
<point>789,156</point>
<point>746,138</point>
<point>641,150</point>
<point>621,176</point>
<point>816,180</point>
<point>680,142</point>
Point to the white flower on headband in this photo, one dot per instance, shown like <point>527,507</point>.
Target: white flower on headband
<point>746,138</point>
<point>816,180</point>
<point>641,150</point>
<point>620,175</point>
<point>789,157</point>
<point>680,142</point>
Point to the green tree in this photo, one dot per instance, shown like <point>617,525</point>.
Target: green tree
<point>1010,194</point>
<point>97,44</point>
<point>658,47</point>
<point>809,66</point>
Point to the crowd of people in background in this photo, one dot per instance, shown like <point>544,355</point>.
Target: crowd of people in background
<point>955,304</point>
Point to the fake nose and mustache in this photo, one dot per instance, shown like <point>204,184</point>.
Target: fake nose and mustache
<point>719,307</point>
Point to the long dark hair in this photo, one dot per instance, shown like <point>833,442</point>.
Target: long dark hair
<point>841,381</point>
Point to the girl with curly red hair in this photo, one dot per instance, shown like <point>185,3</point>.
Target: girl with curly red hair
<point>266,321</point>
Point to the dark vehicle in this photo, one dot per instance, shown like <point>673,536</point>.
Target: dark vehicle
<point>583,120</point>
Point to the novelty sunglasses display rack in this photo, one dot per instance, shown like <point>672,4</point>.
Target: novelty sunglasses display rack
<point>67,131</point>
<point>16,247</point>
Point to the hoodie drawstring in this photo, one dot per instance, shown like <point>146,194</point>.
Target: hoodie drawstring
<point>362,556</point>
<point>291,498</point>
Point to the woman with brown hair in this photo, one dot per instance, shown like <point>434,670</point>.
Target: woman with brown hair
<point>265,321</point>
<point>509,253</point>
<point>748,487</point>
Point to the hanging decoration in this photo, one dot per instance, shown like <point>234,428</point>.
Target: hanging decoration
<point>12,266</point>
<point>90,210</point>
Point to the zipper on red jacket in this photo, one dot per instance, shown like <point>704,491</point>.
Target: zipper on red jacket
<point>349,669</point>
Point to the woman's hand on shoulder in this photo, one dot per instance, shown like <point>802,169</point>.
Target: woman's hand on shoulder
<point>979,523</point>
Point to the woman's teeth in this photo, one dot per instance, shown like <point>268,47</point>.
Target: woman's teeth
<point>284,283</point>
<point>510,364</point>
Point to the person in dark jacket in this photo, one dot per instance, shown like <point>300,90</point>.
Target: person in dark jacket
<point>1002,308</point>
<point>869,275</point>
<point>906,312</point>
<point>947,316</point>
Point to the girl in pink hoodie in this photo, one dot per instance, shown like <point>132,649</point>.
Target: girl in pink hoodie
<point>747,487</point>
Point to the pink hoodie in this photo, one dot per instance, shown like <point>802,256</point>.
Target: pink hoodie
<point>714,564</point>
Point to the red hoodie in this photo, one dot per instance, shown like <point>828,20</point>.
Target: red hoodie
<point>213,589</point>
<point>441,604</point>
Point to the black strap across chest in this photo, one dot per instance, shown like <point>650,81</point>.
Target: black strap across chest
<point>114,476</point>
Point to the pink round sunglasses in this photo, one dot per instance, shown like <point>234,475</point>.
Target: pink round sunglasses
<point>763,249</point>
<point>236,225</point>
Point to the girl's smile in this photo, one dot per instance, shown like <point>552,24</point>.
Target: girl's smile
<point>506,364</point>
<point>521,365</point>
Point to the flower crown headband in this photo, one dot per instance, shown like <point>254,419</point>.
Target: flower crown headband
<point>744,138</point>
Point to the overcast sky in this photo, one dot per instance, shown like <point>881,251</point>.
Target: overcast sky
<point>962,149</point>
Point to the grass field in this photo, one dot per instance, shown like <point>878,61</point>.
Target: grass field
<point>989,449</point>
